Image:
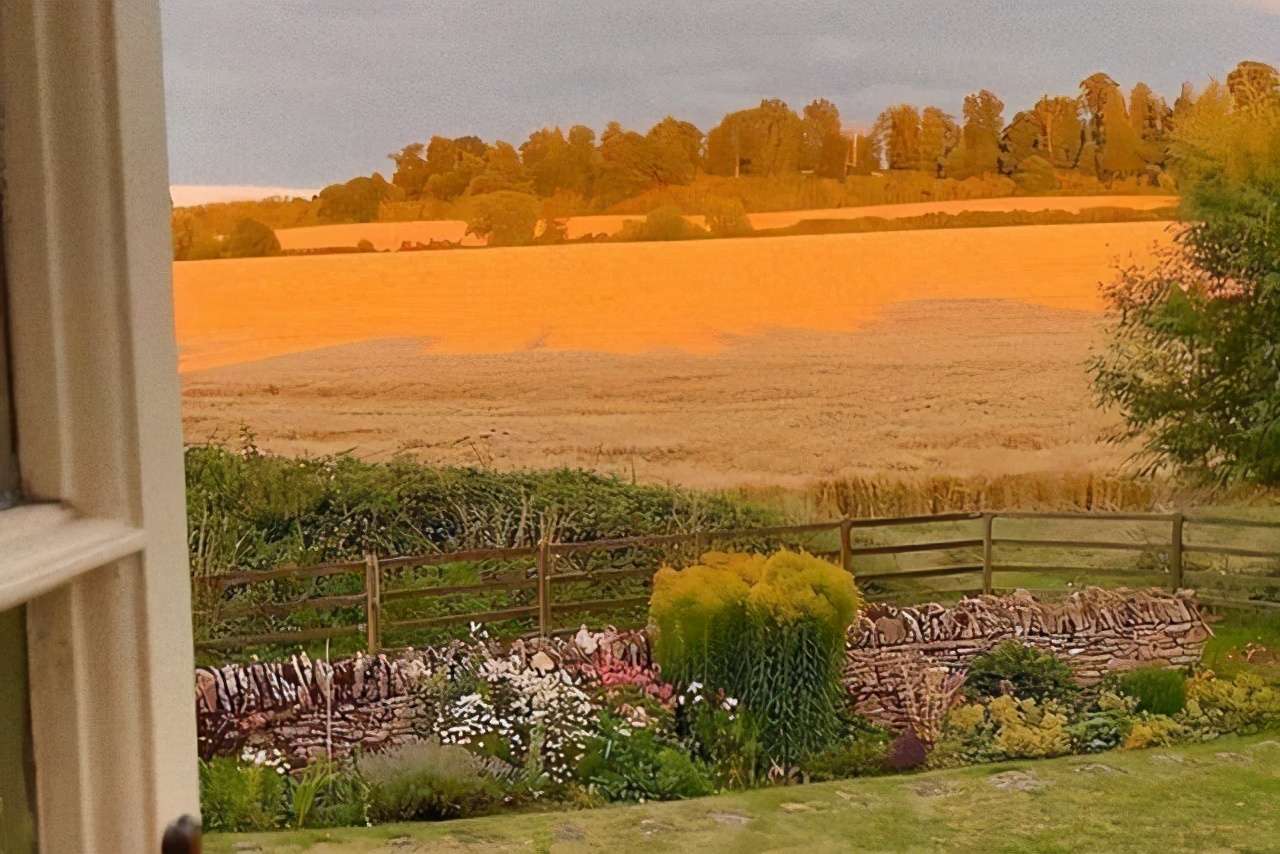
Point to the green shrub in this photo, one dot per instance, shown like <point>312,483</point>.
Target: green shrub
<point>664,223</point>
<point>427,780</point>
<point>1159,691</point>
<point>252,239</point>
<point>627,763</point>
<point>727,739</point>
<point>858,755</point>
<point>326,794</point>
<point>1243,705</point>
<point>236,796</point>
<point>1025,670</point>
<point>1105,726</point>
<point>767,631</point>
<point>1000,728</point>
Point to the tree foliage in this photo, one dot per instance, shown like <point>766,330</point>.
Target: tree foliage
<point>1193,362</point>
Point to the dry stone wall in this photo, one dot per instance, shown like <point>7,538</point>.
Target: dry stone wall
<point>310,708</point>
<point>1095,631</point>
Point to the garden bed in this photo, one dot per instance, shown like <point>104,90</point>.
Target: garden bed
<point>755,672</point>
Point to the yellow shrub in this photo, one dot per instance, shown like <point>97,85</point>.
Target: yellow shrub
<point>1153,731</point>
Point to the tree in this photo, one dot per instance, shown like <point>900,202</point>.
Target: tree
<point>1062,131</point>
<point>897,131</point>
<point>252,239</point>
<point>979,148</point>
<point>1193,362</point>
<point>1117,149</point>
<point>1254,85</point>
<point>764,140</point>
<point>502,170</point>
<point>358,200</point>
<point>679,145</point>
<point>821,125</point>
<point>503,218</point>
<point>1035,175</point>
<point>939,134</point>
<point>411,170</point>
<point>727,218</point>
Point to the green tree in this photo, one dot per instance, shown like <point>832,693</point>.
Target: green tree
<point>358,200</point>
<point>1117,150</point>
<point>502,171</point>
<point>252,239</point>
<point>1193,361</point>
<point>939,134</point>
<point>727,218</point>
<point>764,140</point>
<point>979,148</point>
<point>1254,85</point>
<point>411,170</point>
<point>897,131</point>
<point>679,145</point>
<point>503,218</point>
<point>821,124</point>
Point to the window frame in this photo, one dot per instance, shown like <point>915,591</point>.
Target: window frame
<point>97,555</point>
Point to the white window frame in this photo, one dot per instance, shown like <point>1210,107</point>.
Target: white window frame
<point>98,555</point>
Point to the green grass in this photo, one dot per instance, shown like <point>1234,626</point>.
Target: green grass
<point>1245,641</point>
<point>1218,796</point>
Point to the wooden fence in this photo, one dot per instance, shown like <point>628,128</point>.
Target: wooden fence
<point>1172,572</point>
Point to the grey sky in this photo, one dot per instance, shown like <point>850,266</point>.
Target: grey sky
<point>306,92</point>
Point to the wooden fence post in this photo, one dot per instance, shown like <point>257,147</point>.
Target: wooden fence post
<point>699,544</point>
<point>372,603</point>
<point>846,545</point>
<point>988,583</point>
<point>1175,553</point>
<point>544,587</point>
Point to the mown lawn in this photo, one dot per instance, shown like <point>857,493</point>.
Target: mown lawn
<point>1218,796</point>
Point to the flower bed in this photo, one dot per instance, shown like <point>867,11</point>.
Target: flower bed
<point>477,726</point>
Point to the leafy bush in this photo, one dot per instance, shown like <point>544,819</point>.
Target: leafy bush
<point>252,239</point>
<point>626,763</point>
<point>664,223</point>
<point>237,796</point>
<point>768,631</point>
<point>864,750</point>
<point>1024,670</point>
<point>1105,726</point>
<point>427,780</point>
<point>719,733</point>
<point>1002,728</point>
<point>1158,691</point>
<point>1154,731</point>
<point>1243,705</point>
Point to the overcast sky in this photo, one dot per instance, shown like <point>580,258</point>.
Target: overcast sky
<point>302,93</point>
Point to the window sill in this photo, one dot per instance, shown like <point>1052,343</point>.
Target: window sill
<point>46,545</point>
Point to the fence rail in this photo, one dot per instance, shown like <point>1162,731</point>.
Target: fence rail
<point>541,578</point>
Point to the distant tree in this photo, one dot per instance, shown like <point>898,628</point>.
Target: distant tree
<point>1148,113</point>
<point>502,171</point>
<point>939,134</point>
<point>358,200</point>
<point>1035,175</point>
<point>1254,85</point>
<point>365,245</point>
<point>1062,131</point>
<point>727,218</point>
<point>679,145</point>
<point>833,159</point>
<point>821,125</point>
<point>503,218</point>
<point>897,131</point>
<point>1117,149</point>
<point>411,170</point>
<point>865,156</point>
<point>252,239</point>
<point>764,140</point>
<point>664,223</point>
<point>979,148</point>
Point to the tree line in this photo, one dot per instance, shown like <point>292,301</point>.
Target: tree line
<point>1095,138</point>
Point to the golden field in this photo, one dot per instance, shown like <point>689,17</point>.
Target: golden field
<point>390,235</point>
<point>709,363</point>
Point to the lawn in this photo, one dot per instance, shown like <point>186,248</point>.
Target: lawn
<point>1219,796</point>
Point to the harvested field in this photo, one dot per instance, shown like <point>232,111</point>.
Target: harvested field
<point>390,235</point>
<point>707,363</point>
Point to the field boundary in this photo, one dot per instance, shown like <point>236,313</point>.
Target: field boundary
<point>542,577</point>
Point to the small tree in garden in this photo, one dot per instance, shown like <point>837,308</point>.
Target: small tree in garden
<point>767,631</point>
<point>1193,363</point>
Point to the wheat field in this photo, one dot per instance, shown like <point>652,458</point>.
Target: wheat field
<point>709,363</point>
